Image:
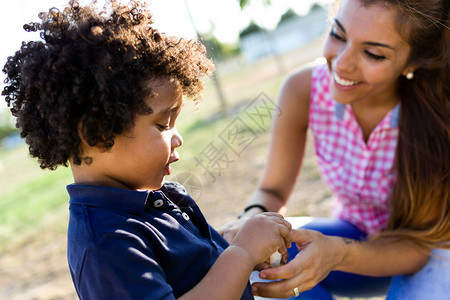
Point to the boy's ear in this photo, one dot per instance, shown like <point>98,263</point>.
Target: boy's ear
<point>99,147</point>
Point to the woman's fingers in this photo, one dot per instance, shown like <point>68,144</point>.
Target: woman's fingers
<point>308,268</point>
<point>287,271</point>
<point>296,274</point>
<point>229,230</point>
<point>281,289</point>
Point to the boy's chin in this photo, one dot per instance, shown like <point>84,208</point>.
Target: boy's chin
<point>159,185</point>
<point>152,187</point>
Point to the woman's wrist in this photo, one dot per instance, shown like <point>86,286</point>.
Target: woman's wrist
<point>252,209</point>
<point>344,246</point>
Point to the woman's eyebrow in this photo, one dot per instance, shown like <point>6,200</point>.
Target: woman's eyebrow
<point>379,45</point>
<point>338,24</point>
<point>376,44</point>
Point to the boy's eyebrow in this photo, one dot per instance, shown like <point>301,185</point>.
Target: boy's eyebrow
<point>169,109</point>
<point>341,27</point>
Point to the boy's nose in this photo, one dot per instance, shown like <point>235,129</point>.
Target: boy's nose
<point>177,140</point>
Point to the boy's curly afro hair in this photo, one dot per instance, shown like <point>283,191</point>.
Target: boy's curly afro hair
<point>91,68</point>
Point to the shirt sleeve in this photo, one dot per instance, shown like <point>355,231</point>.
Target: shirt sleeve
<point>121,266</point>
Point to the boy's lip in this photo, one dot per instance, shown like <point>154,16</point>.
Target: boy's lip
<point>168,169</point>
<point>167,166</point>
<point>174,157</point>
<point>173,160</point>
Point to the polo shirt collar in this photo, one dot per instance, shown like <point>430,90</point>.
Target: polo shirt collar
<point>101,196</point>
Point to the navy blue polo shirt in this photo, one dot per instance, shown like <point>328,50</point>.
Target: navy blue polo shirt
<point>125,244</point>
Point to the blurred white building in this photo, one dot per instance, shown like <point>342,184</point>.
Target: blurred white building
<point>287,36</point>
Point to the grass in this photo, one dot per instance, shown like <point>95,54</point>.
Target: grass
<point>27,198</point>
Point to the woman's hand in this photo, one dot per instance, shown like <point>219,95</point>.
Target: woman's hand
<point>229,230</point>
<point>319,254</point>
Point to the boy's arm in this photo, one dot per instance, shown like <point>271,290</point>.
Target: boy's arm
<point>256,241</point>
<point>226,279</point>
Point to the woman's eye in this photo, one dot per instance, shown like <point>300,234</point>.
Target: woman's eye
<point>336,36</point>
<point>374,56</point>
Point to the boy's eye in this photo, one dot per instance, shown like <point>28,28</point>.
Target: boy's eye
<point>374,56</point>
<point>163,127</point>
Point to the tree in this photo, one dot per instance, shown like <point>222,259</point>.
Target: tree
<point>289,14</point>
<point>217,50</point>
<point>251,28</point>
<point>6,125</point>
<point>316,6</point>
<point>244,3</point>
<point>215,78</point>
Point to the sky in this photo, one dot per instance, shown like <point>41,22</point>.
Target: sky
<point>223,18</point>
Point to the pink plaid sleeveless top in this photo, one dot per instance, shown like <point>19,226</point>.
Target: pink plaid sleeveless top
<point>359,175</point>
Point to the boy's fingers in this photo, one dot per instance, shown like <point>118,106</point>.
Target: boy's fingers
<point>262,266</point>
<point>282,248</point>
<point>273,214</point>
<point>289,225</point>
<point>285,257</point>
<point>285,233</point>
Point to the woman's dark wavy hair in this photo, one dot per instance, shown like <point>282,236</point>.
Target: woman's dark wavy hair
<point>92,69</point>
<point>420,203</point>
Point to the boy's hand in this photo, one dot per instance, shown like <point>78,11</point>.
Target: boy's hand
<point>263,234</point>
<point>267,264</point>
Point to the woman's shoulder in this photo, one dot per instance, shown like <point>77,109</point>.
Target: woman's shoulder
<point>297,85</point>
<point>305,78</point>
<point>304,83</point>
<point>300,77</point>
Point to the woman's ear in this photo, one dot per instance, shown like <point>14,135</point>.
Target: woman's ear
<point>408,72</point>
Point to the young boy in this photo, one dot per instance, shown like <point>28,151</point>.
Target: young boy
<point>102,91</point>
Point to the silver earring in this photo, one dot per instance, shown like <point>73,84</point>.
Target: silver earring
<point>410,75</point>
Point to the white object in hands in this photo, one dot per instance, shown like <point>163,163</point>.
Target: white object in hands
<point>275,259</point>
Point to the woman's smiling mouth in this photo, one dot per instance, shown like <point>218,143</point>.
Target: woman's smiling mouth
<point>342,81</point>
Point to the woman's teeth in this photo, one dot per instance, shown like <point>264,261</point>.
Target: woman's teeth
<point>343,81</point>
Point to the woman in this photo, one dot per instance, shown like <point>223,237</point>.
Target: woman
<point>380,115</point>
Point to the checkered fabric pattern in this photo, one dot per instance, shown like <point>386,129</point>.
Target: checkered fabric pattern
<point>360,175</point>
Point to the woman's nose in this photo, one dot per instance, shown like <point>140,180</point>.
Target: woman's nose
<point>345,61</point>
